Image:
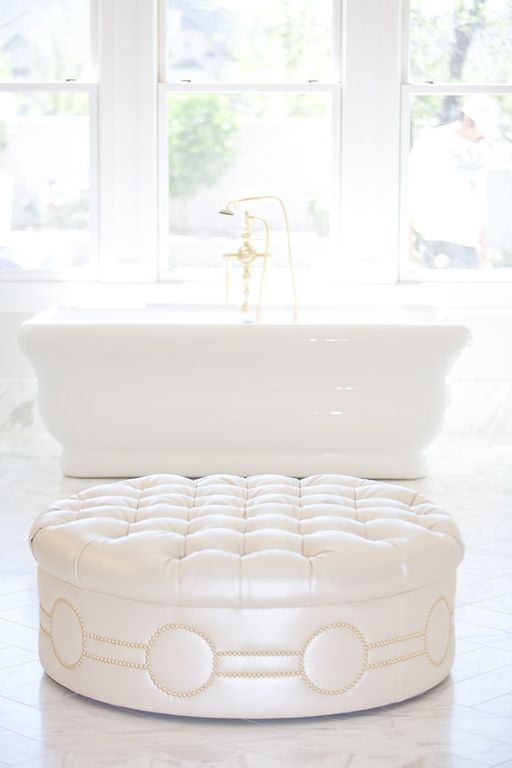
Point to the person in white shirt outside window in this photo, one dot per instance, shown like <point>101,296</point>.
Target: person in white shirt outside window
<point>448,188</point>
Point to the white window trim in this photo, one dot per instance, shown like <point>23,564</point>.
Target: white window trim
<point>370,140</point>
<point>128,66</point>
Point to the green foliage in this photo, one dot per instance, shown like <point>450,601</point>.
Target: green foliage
<point>319,212</point>
<point>202,138</point>
<point>461,41</point>
<point>283,41</point>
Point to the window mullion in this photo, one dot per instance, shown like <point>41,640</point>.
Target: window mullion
<point>163,179</point>
<point>370,146</point>
<point>128,139</point>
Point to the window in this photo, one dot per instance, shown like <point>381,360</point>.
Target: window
<point>252,108</point>
<point>127,125</point>
<point>458,122</point>
<point>47,103</point>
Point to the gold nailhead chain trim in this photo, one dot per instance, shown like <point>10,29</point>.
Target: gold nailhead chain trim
<point>115,662</point>
<point>147,647</point>
<point>114,641</point>
<point>396,660</point>
<point>258,653</point>
<point>395,640</point>
<point>259,674</point>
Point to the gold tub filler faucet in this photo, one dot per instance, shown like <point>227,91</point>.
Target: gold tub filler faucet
<point>247,254</point>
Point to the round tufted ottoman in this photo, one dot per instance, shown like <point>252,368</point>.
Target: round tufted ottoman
<point>250,597</point>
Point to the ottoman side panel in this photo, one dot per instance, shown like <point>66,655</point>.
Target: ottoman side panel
<point>246,663</point>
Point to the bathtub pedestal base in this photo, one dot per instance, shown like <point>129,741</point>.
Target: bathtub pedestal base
<point>379,466</point>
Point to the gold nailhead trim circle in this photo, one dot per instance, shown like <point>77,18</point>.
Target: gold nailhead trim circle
<point>76,664</point>
<point>151,673</point>
<point>440,601</point>
<point>355,680</point>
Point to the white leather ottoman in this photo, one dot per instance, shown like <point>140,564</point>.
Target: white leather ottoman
<point>248,598</point>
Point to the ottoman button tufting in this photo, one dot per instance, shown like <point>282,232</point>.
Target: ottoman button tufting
<point>252,597</point>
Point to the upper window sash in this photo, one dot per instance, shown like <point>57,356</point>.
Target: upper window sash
<point>233,42</point>
<point>50,42</point>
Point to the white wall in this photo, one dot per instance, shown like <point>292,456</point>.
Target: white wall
<point>12,363</point>
<point>481,397</point>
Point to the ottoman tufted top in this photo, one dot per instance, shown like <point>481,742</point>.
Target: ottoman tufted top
<point>263,541</point>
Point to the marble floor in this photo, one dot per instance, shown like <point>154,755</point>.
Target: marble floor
<point>465,722</point>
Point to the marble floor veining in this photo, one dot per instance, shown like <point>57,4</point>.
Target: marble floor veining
<point>466,722</point>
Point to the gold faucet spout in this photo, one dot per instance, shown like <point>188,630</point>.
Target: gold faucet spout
<point>228,211</point>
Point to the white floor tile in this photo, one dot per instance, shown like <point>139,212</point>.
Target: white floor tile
<point>477,662</point>
<point>483,687</point>
<point>53,759</point>
<point>10,656</point>
<point>9,584</point>
<point>26,615</point>
<point>501,706</point>
<point>15,748</point>
<point>37,693</point>
<point>28,672</point>
<point>485,618</point>
<point>18,599</point>
<point>501,604</point>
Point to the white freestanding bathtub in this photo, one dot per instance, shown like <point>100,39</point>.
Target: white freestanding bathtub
<point>188,391</point>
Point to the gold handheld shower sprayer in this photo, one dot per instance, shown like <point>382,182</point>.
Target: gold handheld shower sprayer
<point>247,254</point>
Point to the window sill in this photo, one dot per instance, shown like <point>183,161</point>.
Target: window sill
<point>31,297</point>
